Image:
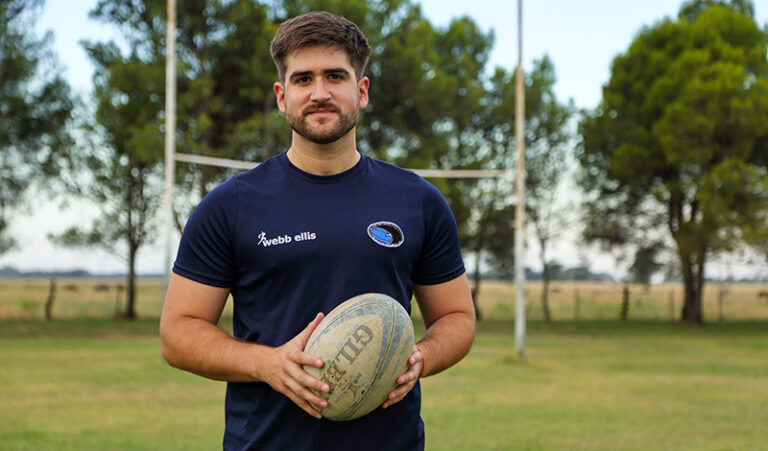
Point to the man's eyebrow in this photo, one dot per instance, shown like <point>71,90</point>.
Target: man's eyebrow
<point>333,70</point>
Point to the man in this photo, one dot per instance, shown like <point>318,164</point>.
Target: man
<point>300,234</point>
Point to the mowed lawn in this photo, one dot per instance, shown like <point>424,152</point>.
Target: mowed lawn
<point>81,384</point>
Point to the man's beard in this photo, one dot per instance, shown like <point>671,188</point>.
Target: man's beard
<point>300,125</point>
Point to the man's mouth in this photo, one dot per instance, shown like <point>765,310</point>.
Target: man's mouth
<point>322,111</point>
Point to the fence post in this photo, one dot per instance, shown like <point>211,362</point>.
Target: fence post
<point>625,302</point>
<point>49,301</point>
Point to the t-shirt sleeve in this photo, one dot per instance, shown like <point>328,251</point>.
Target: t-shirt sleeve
<point>441,259</point>
<point>206,251</point>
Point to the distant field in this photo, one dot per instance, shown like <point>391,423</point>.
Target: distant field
<point>602,300</point>
<point>81,384</point>
<point>78,298</point>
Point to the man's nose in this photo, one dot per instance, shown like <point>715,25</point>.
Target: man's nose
<point>320,91</point>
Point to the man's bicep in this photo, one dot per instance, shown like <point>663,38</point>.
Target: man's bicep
<point>444,298</point>
<point>189,299</point>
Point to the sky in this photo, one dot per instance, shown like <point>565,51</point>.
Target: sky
<point>580,36</point>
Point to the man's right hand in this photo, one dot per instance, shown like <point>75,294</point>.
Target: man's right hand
<point>283,372</point>
<point>192,341</point>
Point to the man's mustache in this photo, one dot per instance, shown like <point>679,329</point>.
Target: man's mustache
<point>320,106</point>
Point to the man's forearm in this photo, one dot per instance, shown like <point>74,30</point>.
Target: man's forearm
<point>447,341</point>
<point>197,346</point>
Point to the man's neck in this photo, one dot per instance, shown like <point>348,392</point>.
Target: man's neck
<point>324,159</point>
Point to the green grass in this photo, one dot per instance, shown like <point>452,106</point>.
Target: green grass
<point>102,384</point>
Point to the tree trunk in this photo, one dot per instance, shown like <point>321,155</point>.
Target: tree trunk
<point>545,274</point>
<point>130,284</point>
<point>691,259</point>
<point>51,298</point>
<point>476,285</point>
<point>545,296</point>
<point>693,285</point>
<point>624,314</point>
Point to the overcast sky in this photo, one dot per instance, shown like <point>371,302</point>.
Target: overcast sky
<point>580,36</point>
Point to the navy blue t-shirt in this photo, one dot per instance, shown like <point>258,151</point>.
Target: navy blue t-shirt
<point>291,244</point>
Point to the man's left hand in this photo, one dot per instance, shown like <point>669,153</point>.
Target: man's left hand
<point>407,380</point>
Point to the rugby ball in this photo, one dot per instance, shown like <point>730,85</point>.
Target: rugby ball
<point>365,343</point>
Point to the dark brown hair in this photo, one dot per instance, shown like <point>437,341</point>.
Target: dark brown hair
<point>320,29</point>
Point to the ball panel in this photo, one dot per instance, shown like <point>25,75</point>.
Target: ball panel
<point>352,354</point>
<point>365,343</point>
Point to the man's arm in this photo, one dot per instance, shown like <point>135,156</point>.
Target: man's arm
<point>192,341</point>
<point>449,317</point>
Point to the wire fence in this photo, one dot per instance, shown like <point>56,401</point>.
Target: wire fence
<point>104,298</point>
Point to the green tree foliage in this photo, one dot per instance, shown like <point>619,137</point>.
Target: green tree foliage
<point>122,159</point>
<point>35,110</point>
<point>547,138</point>
<point>225,104</point>
<point>427,99</point>
<point>429,96</point>
<point>680,137</point>
<point>548,141</point>
<point>426,83</point>
<point>646,263</point>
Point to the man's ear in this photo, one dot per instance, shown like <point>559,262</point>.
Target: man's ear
<point>280,95</point>
<point>362,91</point>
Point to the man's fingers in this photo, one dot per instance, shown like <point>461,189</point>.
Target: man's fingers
<point>306,395</point>
<point>307,380</point>
<point>414,370</point>
<point>407,380</point>
<point>303,337</point>
<point>398,394</point>
<point>291,379</point>
<point>303,358</point>
<point>303,404</point>
<point>411,375</point>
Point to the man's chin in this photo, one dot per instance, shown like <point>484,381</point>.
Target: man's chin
<point>320,138</point>
<point>326,136</point>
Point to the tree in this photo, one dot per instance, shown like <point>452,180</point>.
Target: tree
<point>121,161</point>
<point>35,110</point>
<point>547,138</point>
<point>645,264</point>
<point>678,139</point>
<point>546,163</point>
<point>427,85</point>
<point>456,135</point>
<point>225,105</point>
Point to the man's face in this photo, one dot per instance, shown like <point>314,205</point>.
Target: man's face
<point>321,97</point>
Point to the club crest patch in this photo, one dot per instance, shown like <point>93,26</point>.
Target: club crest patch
<point>387,234</point>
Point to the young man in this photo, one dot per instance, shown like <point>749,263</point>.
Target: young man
<point>293,238</point>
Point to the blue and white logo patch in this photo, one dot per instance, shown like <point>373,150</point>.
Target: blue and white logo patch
<point>387,234</point>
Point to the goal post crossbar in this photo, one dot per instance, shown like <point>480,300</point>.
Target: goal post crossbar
<point>441,173</point>
<point>171,156</point>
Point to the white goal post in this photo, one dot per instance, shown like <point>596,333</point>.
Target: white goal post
<point>171,157</point>
<point>437,173</point>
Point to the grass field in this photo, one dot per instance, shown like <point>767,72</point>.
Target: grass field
<point>102,384</point>
<point>87,381</point>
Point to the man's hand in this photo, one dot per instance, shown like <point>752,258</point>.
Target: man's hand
<point>449,318</point>
<point>192,341</point>
<point>407,380</point>
<point>283,372</point>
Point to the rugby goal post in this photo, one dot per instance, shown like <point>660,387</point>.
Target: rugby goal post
<point>171,157</point>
